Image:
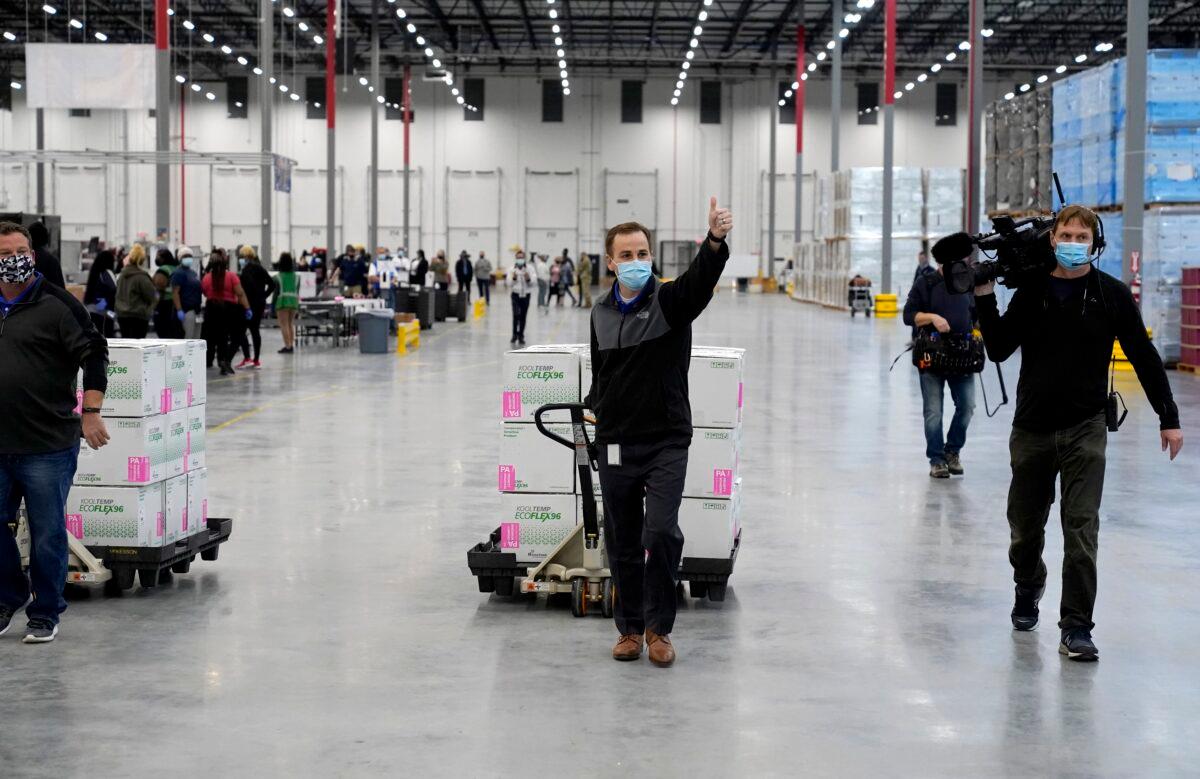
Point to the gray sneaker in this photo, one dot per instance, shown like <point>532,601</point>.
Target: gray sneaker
<point>40,631</point>
<point>939,471</point>
<point>954,464</point>
<point>7,613</point>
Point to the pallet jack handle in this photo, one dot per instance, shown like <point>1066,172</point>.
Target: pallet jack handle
<point>585,462</point>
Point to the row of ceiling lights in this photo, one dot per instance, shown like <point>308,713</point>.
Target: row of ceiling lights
<point>849,20</point>
<point>560,49</point>
<point>430,55</point>
<point>1100,48</point>
<point>693,44</point>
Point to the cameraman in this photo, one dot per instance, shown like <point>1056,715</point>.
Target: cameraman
<point>931,307</point>
<point>1064,324</point>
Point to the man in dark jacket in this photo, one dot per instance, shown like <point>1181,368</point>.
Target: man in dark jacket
<point>47,337</point>
<point>47,263</point>
<point>1064,324</point>
<point>641,345</point>
<point>464,271</point>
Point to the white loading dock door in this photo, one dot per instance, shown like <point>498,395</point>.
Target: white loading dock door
<point>551,211</point>
<point>630,196</point>
<point>80,195</point>
<point>391,207</point>
<point>15,187</point>
<point>473,214</point>
<point>785,212</point>
<point>306,211</point>
<point>235,205</point>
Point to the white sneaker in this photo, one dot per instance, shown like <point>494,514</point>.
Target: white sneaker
<point>40,631</point>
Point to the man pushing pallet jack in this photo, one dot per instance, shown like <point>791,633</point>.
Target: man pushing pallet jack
<point>640,349</point>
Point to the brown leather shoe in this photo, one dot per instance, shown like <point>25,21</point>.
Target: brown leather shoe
<point>628,647</point>
<point>662,653</point>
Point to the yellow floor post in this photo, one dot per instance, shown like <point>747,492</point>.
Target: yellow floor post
<point>480,308</point>
<point>885,306</point>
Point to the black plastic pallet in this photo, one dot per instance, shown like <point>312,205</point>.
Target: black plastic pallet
<point>154,565</point>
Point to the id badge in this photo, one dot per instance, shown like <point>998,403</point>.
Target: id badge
<point>614,455</point>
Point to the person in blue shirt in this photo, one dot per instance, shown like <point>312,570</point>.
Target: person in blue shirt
<point>187,295</point>
<point>351,272</point>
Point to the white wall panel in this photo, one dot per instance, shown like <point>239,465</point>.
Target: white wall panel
<point>80,195</point>
<point>551,210</point>
<point>473,211</point>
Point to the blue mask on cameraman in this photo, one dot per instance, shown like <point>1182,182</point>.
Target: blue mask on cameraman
<point>634,274</point>
<point>1073,255</point>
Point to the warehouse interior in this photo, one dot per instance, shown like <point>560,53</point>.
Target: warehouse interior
<point>337,550</point>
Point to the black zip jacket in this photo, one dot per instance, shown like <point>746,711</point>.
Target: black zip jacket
<point>640,358</point>
<point>1066,348</point>
<point>43,342</point>
<point>258,284</point>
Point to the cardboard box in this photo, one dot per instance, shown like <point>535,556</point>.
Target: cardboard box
<point>136,379</point>
<point>117,516</point>
<point>177,371</point>
<point>175,510</point>
<point>715,386</point>
<point>531,526</point>
<point>585,370</point>
<point>531,462</point>
<point>196,445</point>
<point>710,525</point>
<point>712,462</point>
<point>136,454</point>
<point>197,357</point>
<point>176,443</point>
<point>197,501</point>
<point>536,376</point>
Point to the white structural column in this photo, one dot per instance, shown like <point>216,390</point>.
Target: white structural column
<point>373,216</point>
<point>266,98</point>
<point>889,137</point>
<point>975,120</point>
<point>1135,135</point>
<point>835,106</point>
<point>162,119</point>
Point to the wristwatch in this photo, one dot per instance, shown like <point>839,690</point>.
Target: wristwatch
<point>714,238</point>
<point>90,410</point>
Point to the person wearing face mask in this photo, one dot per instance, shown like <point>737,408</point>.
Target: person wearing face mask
<point>259,286</point>
<point>47,337</point>
<point>136,295</point>
<point>187,293</point>
<point>1064,325</point>
<point>641,344</point>
<point>522,280</point>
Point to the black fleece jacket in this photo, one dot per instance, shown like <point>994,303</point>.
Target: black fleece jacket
<point>44,341</point>
<point>1066,348</point>
<point>640,358</point>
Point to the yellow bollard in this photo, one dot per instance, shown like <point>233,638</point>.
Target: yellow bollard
<point>480,308</point>
<point>408,334</point>
<point>886,306</point>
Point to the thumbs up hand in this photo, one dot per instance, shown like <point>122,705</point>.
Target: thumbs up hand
<point>720,220</point>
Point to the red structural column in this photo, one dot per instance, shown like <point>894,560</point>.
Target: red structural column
<point>330,62</point>
<point>889,53</point>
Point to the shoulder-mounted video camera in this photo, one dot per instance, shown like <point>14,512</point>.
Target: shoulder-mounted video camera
<point>1020,251</point>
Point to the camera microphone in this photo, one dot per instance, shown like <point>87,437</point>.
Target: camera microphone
<point>955,246</point>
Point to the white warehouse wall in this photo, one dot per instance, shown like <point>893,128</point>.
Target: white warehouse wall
<point>692,161</point>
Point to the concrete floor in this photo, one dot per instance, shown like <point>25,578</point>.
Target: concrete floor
<point>866,629</point>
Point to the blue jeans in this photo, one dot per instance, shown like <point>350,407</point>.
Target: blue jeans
<point>44,481</point>
<point>962,390</point>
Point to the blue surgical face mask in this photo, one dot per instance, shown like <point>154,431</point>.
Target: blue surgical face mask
<point>1072,256</point>
<point>186,262</point>
<point>634,274</point>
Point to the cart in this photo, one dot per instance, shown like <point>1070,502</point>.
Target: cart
<point>860,299</point>
<point>579,564</point>
<point>118,567</point>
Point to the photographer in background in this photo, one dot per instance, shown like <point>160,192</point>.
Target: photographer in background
<point>932,308</point>
<point>1064,324</point>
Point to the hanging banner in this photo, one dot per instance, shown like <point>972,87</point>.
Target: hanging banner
<point>89,75</point>
<point>283,173</point>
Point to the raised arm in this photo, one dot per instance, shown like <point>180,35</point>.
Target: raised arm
<point>687,296</point>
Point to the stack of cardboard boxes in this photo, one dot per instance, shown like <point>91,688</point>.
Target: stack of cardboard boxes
<point>541,498</point>
<point>149,486</point>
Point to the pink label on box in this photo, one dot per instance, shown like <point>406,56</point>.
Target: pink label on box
<point>183,524</point>
<point>139,470</point>
<point>740,389</point>
<point>204,513</point>
<point>191,396</point>
<point>166,401</point>
<point>508,478</point>
<point>75,525</point>
<point>512,404</point>
<point>161,525</point>
<point>78,401</point>
<point>510,535</point>
<point>722,481</point>
<point>187,451</point>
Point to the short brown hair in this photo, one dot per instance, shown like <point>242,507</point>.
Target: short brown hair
<point>624,229</point>
<point>1086,216</point>
<point>8,228</point>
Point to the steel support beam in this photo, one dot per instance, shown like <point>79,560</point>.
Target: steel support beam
<point>765,267</point>
<point>162,117</point>
<point>800,81</point>
<point>373,215</point>
<point>975,120</point>
<point>1135,137</point>
<point>835,99</point>
<point>266,100</point>
<point>330,123</point>
<point>889,138</point>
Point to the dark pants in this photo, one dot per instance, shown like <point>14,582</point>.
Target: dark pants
<point>464,286</point>
<point>253,333</point>
<point>44,480</point>
<point>485,289</point>
<point>1077,455</point>
<point>962,390</point>
<point>133,326</point>
<point>641,532</point>
<point>166,324</point>
<point>520,314</point>
<point>223,329</point>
